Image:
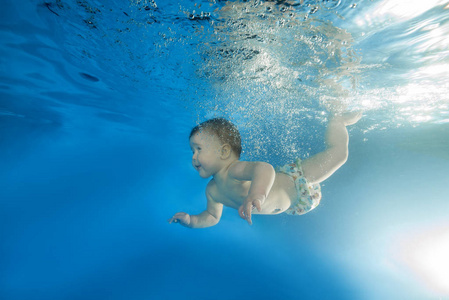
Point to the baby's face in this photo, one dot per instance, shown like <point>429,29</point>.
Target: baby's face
<point>206,149</point>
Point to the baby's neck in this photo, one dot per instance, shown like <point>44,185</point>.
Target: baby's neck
<point>223,172</point>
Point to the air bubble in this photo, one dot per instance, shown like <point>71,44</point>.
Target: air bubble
<point>201,16</point>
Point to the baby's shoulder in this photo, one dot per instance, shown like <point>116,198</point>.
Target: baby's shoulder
<point>212,191</point>
<point>211,187</point>
<point>237,168</point>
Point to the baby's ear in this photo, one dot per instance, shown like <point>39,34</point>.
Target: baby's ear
<point>225,151</point>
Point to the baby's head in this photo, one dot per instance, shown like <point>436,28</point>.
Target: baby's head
<point>223,130</point>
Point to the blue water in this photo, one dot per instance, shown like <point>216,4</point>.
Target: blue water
<point>96,103</point>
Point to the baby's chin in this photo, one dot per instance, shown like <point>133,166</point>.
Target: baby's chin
<point>205,175</point>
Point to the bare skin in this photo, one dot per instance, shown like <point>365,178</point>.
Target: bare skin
<point>254,187</point>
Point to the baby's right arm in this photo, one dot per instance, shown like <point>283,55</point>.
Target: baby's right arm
<point>210,217</point>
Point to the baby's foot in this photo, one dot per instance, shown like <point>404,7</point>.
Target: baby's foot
<point>348,118</point>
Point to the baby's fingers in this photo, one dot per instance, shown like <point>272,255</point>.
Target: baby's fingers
<point>172,219</point>
<point>258,205</point>
<point>248,209</point>
<point>241,214</point>
<point>178,217</point>
<point>245,213</point>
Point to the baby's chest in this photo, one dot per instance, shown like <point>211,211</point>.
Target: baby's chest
<point>233,194</point>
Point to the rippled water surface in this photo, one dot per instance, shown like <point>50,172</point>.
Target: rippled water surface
<point>96,101</point>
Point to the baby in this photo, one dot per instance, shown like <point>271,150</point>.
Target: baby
<point>247,186</point>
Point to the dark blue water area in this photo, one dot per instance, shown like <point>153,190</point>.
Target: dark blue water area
<point>84,217</point>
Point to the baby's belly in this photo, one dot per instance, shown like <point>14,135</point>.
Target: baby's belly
<point>280,197</point>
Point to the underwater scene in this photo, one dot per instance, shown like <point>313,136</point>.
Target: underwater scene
<point>97,102</point>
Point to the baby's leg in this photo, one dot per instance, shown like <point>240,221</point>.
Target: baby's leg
<point>322,165</point>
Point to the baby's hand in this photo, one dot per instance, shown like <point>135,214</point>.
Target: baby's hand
<point>181,218</point>
<point>248,205</point>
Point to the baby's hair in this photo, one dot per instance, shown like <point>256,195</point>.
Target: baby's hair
<point>226,132</point>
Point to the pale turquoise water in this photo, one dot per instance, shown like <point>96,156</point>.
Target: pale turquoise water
<point>97,100</point>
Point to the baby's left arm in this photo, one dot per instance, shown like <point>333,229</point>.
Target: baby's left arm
<point>262,177</point>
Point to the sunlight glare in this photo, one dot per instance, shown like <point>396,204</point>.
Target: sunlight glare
<point>411,92</point>
<point>427,255</point>
<point>399,9</point>
<point>435,70</point>
<point>407,9</point>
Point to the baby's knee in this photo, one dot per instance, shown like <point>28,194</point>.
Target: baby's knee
<point>340,155</point>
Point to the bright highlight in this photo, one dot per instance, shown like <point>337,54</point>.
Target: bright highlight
<point>427,255</point>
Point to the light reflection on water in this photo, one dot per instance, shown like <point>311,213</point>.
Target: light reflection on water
<point>230,56</point>
<point>412,46</point>
<point>388,55</point>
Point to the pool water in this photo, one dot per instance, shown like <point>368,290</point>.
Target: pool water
<point>97,100</point>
